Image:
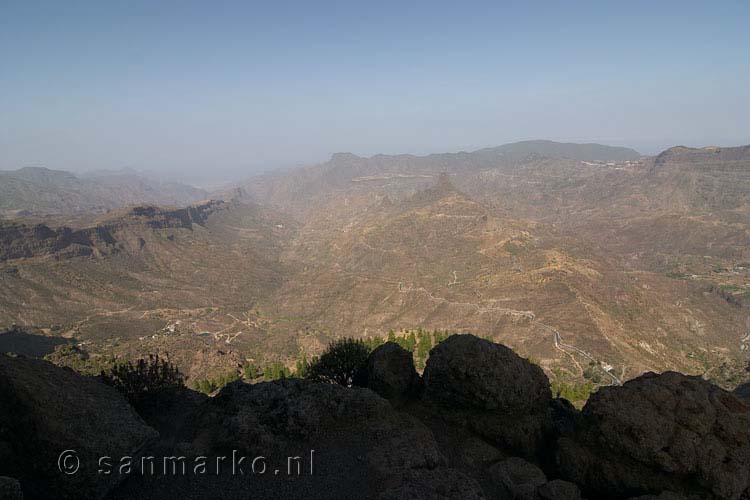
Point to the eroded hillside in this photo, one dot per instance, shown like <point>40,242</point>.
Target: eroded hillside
<point>591,265</point>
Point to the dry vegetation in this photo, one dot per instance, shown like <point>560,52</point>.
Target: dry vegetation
<point>638,265</point>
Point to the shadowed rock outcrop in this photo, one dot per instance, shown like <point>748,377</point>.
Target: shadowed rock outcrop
<point>274,415</point>
<point>658,433</point>
<point>518,478</point>
<point>437,484</point>
<point>18,240</point>
<point>363,447</point>
<point>490,389</point>
<point>270,416</point>
<point>45,410</point>
<point>485,426</point>
<point>469,372</point>
<point>10,489</point>
<point>558,490</point>
<point>390,372</point>
<point>743,392</point>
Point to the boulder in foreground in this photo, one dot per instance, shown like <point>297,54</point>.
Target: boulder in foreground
<point>390,372</point>
<point>362,444</point>
<point>10,489</point>
<point>45,410</point>
<point>465,371</point>
<point>489,389</point>
<point>656,433</point>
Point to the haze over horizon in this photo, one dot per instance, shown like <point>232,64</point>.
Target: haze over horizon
<point>206,93</point>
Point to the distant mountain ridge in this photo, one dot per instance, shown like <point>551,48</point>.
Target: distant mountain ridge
<point>292,188</point>
<point>710,154</point>
<point>517,151</point>
<point>488,157</point>
<point>42,191</point>
<point>573,151</point>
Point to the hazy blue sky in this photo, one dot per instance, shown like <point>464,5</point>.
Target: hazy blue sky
<point>229,88</point>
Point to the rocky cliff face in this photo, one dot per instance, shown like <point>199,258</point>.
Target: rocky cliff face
<point>160,218</point>
<point>18,240</point>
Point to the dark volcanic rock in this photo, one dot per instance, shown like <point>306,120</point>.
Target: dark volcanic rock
<point>293,410</point>
<point>665,495</point>
<point>45,410</point>
<point>491,390</point>
<point>664,437</point>
<point>558,490</point>
<point>517,478</point>
<point>742,391</point>
<point>363,447</point>
<point>475,452</point>
<point>10,489</point>
<point>661,432</point>
<point>352,426</point>
<point>436,484</point>
<point>565,416</point>
<point>465,371</point>
<point>390,372</point>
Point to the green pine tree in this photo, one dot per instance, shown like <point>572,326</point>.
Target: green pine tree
<point>250,371</point>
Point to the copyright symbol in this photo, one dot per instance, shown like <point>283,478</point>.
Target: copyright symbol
<point>68,462</point>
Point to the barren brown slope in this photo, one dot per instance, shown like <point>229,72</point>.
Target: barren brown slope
<point>643,260</point>
<point>346,173</point>
<point>442,260</point>
<point>160,279</point>
<point>638,265</point>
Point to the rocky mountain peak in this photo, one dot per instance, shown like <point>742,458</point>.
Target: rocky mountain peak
<point>344,157</point>
<point>442,188</point>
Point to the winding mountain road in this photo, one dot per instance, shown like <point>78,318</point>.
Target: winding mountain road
<point>559,344</point>
<point>556,336</point>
